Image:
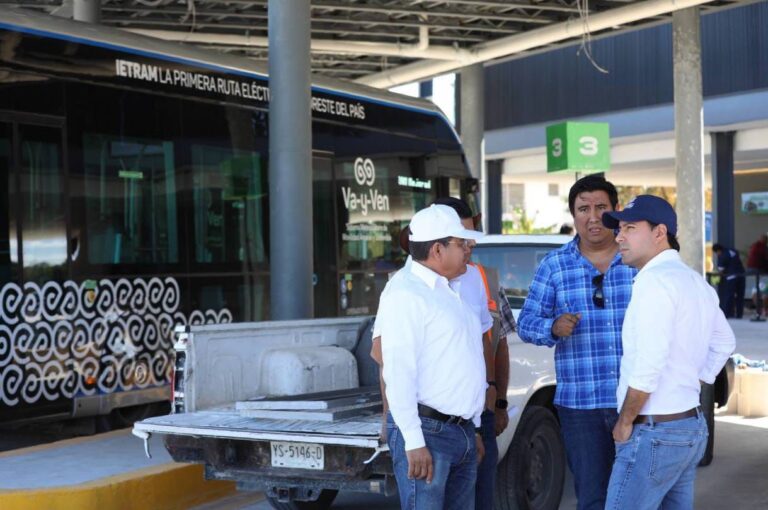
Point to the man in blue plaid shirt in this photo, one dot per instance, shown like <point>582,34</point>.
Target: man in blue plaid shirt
<point>576,304</point>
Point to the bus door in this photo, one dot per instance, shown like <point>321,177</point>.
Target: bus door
<point>36,363</point>
<point>324,279</point>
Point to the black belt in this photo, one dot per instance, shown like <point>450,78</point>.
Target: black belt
<point>428,412</point>
<point>661,418</point>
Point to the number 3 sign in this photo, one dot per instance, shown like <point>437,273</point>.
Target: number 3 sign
<point>578,146</point>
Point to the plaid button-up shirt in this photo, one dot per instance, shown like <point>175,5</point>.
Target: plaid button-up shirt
<point>587,362</point>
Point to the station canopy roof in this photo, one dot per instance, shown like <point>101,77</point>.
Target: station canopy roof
<point>388,42</point>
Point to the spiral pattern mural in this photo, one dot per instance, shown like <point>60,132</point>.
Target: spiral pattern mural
<point>59,340</point>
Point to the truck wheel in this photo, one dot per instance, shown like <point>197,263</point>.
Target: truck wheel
<point>323,502</point>
<point>708,408</point>
<point>532,474</point>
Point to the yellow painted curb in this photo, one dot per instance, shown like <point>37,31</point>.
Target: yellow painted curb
<point>170,486</point>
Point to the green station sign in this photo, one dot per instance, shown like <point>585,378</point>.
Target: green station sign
<point>579,147</point>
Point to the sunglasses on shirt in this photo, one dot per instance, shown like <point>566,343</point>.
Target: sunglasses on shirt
<point>598,298</point>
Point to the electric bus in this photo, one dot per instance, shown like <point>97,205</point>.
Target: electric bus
<point>135,198</point>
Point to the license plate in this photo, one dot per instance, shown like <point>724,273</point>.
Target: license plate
<point>298,455</point>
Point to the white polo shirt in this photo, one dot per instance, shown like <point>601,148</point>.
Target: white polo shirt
<point>674,335</point>
<point>432,350</point>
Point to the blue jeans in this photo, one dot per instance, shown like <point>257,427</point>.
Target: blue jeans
<point>588,438</point>
<point>656,467</point>
<point>486,471</point>
<point>454,460</point>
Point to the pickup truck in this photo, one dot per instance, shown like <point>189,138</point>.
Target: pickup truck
<point>301,464</point>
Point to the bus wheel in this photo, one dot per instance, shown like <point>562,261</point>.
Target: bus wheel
<point>323,502</point>
<point>532,474</point>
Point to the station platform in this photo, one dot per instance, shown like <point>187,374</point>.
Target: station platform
<point>111,471</point>
<point>106,471</point>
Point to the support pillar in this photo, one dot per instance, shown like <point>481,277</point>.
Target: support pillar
<point>472,126</point>
<point>88,11</point>
<point>689,135</point>
<point>290,160</point>
<point>426,89</point>
<point>724,221</point>
<point>494,171</point>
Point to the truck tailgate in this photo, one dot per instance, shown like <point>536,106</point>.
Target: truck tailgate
<point>228,424</point>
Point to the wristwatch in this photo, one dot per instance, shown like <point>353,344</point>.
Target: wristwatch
<point>492,383</point>
<point>501,403</point>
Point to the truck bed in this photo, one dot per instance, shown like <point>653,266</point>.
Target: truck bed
<point>226,423</point>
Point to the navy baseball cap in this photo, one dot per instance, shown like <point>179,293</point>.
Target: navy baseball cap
<point>644,208</point>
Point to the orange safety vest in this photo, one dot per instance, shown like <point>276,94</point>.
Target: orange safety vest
<point>491,302</point>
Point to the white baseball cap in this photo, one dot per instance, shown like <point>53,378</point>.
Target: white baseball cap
<point>437,222</point>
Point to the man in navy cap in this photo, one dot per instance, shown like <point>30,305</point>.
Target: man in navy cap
<point>674,338</point>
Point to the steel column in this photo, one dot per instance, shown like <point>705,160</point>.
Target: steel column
<point>88,11</point>
<point>724,220</point>
<point>290,160</point>
<point>473,125</point>
<point>494,171</point>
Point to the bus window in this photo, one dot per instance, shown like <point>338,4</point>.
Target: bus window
<point>8,247</point>
<point>245,296</point>
<point>43,217</point>
<point>228,207</point>
<point>131,200</point>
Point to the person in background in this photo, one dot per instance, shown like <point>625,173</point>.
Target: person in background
<point>758,254</point>
<point>576,304</point>
<point>732,281</point>
<point>757,264</point>
<point>675,337</point>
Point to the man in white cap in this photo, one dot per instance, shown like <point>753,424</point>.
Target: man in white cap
<point>434,368</point>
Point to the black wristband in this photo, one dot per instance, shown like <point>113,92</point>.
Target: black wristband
<point>492,383</point>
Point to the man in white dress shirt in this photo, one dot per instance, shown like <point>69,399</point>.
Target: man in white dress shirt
<point>674,336</point>
<point>433,367</point>
<point>473,293</point>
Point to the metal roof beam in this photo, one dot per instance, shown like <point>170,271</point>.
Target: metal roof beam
<point>178,12</point>
<point>421,50</point>
<point>429,13</point>
<point>499,4</point>
<point>543,6</point>
<point>170,24</point>
<point>531,39</point>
